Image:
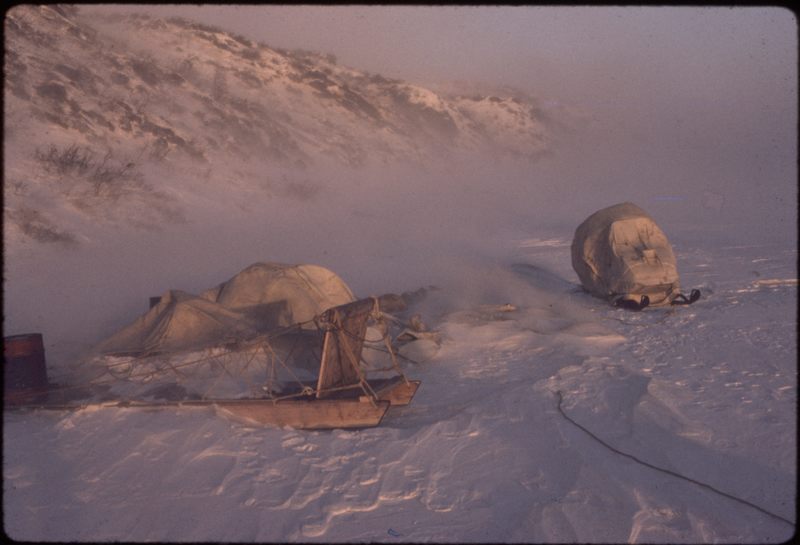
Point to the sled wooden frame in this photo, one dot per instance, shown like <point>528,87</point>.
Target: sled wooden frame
<point>343,397</point>
<point>309,413</point>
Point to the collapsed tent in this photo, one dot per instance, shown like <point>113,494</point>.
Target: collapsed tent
<point>275,344</point>
<point>277,295</point>
<point>262,297</point>
<point>180,321</point>
<point>620,253</point>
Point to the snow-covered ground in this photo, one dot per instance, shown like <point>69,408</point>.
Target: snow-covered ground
<point>482,454</point>
<point>545,415</point>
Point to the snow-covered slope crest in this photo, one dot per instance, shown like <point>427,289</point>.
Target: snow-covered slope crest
<point>110,113</point>
<point>155,82</point>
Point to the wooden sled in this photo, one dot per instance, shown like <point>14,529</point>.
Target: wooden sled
<point>319,414</point>
<point>398,392</point>
<point>342,397</point>
<point>309,414</point>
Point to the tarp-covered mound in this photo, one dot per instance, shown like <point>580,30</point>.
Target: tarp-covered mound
<point>276,295</point>
<point>262,297</point>
<point>180,321</point>
<point>620,252</point>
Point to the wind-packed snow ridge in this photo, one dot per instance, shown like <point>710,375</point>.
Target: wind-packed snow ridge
<point>615,450</point>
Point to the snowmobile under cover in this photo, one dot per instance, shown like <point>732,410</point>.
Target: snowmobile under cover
<point>620,254</point>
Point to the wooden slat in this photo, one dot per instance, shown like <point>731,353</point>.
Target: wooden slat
<point>342,346</point>
<point>309,415</point>
<point>398,392</point>
<point>315,414</point>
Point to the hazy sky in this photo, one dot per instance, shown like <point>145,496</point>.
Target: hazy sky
<point>696,52</point>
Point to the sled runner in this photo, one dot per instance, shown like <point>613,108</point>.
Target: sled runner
<point>681,299</point>
<point>644,301</point>
<point>632,304</point>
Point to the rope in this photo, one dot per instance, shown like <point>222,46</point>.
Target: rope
<point>243,372</point>
<point>213,384</point>
<point>219,360</point>
<point>378,318</point>
<point>336,327</point>
<point>278,358</point>
<point>667,471</point>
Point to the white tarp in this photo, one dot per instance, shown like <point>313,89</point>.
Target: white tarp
<point>262,297</point>
<point>619,251</point>
<point>277,295</point>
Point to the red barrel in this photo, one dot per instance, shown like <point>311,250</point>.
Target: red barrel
<point>24,369</point>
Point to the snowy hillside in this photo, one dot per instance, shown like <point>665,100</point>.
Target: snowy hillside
<point>100,111</point>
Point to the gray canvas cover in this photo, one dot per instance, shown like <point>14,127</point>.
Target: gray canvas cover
<point>262,297</point>
<point>619,251</point>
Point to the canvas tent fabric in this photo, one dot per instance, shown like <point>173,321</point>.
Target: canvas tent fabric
<point>180,321</point>
<point>620,251</point>
<point>278,295</point>
<point>262,297</point>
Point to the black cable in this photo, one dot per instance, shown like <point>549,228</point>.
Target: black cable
<point>667,471</point>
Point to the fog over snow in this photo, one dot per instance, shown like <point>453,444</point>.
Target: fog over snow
<point>404,147</point>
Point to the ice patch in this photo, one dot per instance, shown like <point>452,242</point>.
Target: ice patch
<point>776,282</point>
<point>540,243</point>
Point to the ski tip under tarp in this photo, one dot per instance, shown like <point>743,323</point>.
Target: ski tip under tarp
<point>632,304</point>
<point>681,299</point>
<point>629,303</point>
